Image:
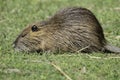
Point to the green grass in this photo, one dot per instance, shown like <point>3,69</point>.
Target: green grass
<point>16,14</point>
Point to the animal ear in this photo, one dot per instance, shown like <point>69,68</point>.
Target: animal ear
<point>34,28</point>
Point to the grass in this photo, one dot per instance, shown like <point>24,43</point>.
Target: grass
<point>16,14</point>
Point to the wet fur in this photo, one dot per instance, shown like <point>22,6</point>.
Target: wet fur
<point>70,29</point>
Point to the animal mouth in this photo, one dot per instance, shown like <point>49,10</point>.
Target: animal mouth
<point>20,48</point>
<point>23,48</point>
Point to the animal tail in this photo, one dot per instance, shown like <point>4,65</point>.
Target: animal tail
<point>111,48</point>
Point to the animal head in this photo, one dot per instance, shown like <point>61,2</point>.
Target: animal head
<point>32,38</point>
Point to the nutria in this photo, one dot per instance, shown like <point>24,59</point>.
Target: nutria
<point>69,30</point>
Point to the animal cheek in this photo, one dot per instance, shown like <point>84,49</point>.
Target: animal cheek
<point>32,34</point>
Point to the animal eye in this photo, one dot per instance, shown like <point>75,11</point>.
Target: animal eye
<point>34,28</point>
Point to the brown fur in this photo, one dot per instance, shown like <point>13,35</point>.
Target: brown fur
<point>70,29</point>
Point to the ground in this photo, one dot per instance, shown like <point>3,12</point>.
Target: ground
<point>16,14</point>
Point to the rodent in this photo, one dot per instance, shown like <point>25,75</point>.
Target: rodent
<point>72,29</point>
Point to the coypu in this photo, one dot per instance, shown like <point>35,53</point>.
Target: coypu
<point>69,30</point>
